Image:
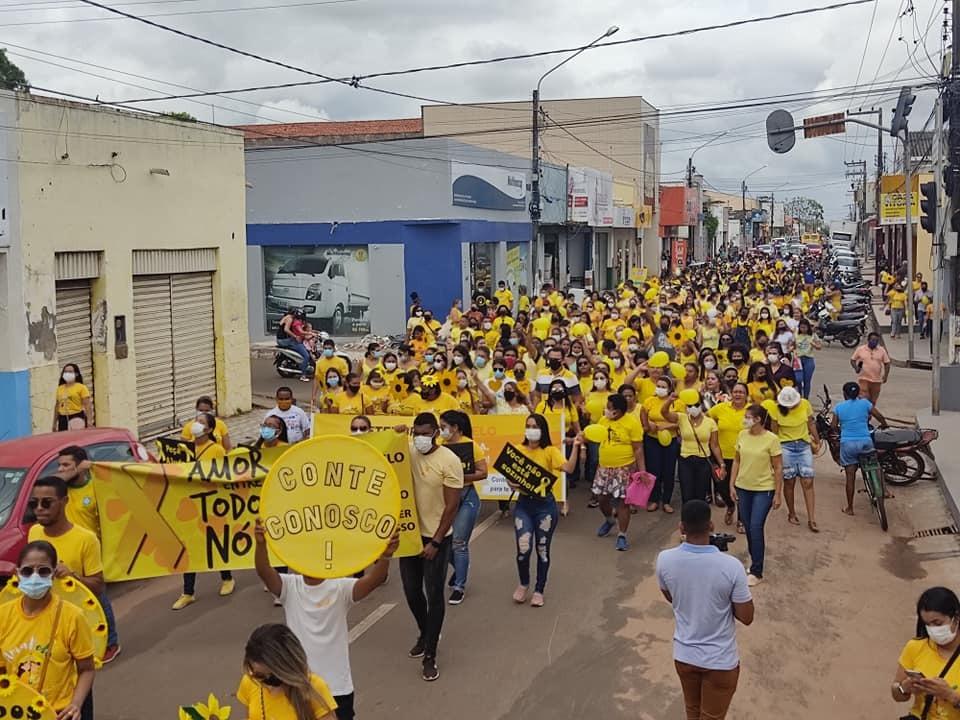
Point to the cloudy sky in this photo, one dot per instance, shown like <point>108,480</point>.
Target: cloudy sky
<point>874,46</point>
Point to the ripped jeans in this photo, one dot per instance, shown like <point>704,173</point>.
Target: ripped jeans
<point>534,520</point>
<point>462,530</point>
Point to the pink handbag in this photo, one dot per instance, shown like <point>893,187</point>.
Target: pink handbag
<point>640,488</point>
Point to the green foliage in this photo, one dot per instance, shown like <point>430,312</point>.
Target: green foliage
<point>807,211</point>
<point>182,116</point>
<point>711,223</point>
<point>11,77</point>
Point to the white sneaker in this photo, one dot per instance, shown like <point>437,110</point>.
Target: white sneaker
<point>753,580</point>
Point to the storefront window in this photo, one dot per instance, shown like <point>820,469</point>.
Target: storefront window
<point>482,268</point>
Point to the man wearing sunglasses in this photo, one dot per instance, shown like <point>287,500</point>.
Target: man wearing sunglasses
<point>78,550</point>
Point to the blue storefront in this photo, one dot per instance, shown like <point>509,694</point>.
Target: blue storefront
<point>349,231</point>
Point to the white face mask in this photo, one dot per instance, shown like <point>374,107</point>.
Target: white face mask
<point>532,434</point>
<point>694,411</point>
<point>197,429</point>
<point>487,326</point>
<point>461,384</point>
<point>445,433</point>
<point>661,392</point>
<point>617,362</point>
<point>748,423</point>
<point>773,359</point>
<point>942,634</point>
<point>69,377</point>
<point>439,364</point>
<point>358,432</point>
<point>600,383</point>
<point>423,443</point>
<point>390,366</point>
<point>709,363</point>
<point>457,360</point>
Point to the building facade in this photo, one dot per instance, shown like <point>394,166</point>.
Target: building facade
<point>121,250</point>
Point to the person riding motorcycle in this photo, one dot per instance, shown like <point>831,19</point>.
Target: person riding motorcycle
<point>291,333</point>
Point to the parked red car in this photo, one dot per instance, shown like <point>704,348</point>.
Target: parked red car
<point>24,460</point>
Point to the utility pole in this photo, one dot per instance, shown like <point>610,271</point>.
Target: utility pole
<point>868,250</point>
<point>535,192</point>
<point>938,259</point>
<point>908,181</point>
<point>743,215</point>
<point>861,174</point>
<point>773,210</point>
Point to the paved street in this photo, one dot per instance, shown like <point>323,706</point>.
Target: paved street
<point>832,617</point>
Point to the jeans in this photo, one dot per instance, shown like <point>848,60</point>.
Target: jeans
<point>896,320</point>
<point>695,474</point>
<point>462,530</point>
<point>423,587</point>
<point>190,581</point>
<point>754,507</point>
<point>589,466</point>
<point>662,462</point>
<point>344,709</point>
<point>804,376</point>
<point>113,637</point>
<point>534,521</point>
<point>292,344</point>
<point>707,693</point>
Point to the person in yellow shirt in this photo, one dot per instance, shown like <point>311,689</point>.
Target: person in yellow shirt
<point>326,389</point>
<point>793,420</point>
<point>541,323</point>
<point>329,359</point>
<point>351,401</point>
<point>205,404</point>
<point>277,683</point>
<point>376,394</point>
<point>523,299</point>
<point>73,409</point>
<point>729,417</point>
<point>433,399</point>
<point>45,642</point>
<point>897,304</point>
<point>660,445</point>
<point>504,296</point>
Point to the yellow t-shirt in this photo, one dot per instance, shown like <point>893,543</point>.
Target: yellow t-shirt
<point>336,363</point>
<point>210,451</point>
<point>922,655</point>
<point>760,392</point>
<point>273,701</point>
<point>523,303</point>
<point>70,398</point>
<point>25,644</point>
<point>729,426</point>
<point>77,548</point>
<point>431,473</point>
<point>596,403</point>
<point>654,405</point>
<point>616,451</point>
<point>82,507</point>
<point>443,403</point>
<point>541,326</point>
<point>756,467</point>
<point>896,298</point>
<point>375,399</point>
<point>347,405</point>
<point>220,430</point>
<point>793,425</point>
<point>549,458</point>
<point>690,433</point>
<point>646,389</point>
<point>504,297</point>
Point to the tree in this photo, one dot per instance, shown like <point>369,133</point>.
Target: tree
<point>182,116</point>
<point>711,223</point>
<point>11,77</point>
<point>808,212</point>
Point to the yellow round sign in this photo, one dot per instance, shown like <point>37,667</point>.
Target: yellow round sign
<point>19,700</point>
<point>329,506</point>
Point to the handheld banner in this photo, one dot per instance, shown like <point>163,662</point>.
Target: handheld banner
<point>529,477</point>
<point>19,700</point>
<point>329,506</point>
<point>175,450</point>
<point>464,451</point>
<point>490,432</point>
<point>76,593</point>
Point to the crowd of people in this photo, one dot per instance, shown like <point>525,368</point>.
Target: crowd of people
<point>700,379</point>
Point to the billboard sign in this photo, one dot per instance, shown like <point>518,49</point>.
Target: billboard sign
<point>488,188</point>
<point>590,197</point>
<point>893,200</point>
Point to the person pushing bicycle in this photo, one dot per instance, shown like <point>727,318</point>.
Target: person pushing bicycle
<point>851,417</point>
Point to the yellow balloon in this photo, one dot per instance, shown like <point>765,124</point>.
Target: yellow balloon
<point>665,437</point>
<point>595,433</point>
<point>658,360</point>
<point>689,397</point>
<point>329,506</point>
<point>677,370</point>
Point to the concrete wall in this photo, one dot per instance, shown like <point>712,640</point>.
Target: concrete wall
<point>84,183</point>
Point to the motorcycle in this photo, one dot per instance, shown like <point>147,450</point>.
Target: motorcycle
<point>900,450</point>
<point>287,362</point>
<point>847,332</point>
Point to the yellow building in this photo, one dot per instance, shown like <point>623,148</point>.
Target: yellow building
<point>122,250</point>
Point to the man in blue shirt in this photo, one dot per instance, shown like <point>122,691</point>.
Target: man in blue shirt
<point>708,591</point>
<point>852,416</point>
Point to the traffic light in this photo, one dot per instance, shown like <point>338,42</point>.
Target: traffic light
<point>928,207</point>
<point>900,113</point>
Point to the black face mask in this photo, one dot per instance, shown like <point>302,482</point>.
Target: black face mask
<point>272,681</point>
<point>665,326</point>
<point>354,388</point>
<point>558,394</point>
<point>554,364</point>
<point>519,374</point>
<point>737,360</point>
<point>509,395</point>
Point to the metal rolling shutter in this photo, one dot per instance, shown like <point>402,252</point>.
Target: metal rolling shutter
<point>73,328</point>
<point>153,345</point>
<point>194,352</point>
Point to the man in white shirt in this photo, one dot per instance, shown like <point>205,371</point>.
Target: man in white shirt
<point>316,612</point>
<point>297,421</point>
<point>708,591</point>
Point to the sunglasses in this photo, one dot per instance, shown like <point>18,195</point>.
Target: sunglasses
<point>45,503</point>
<point>43,571</point>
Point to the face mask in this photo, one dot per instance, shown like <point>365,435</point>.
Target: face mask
<point>617,362</point>
<point>557,338</point>
<point>600,383</point>
<point>198,429</point>
<point>378,354</point>
<point>614,317</point>
<point>461,384</point>
<point>354,388</point>
<point>661,392</point>
<point>359,432</point>
<point>69,377</point>
<point>694,411</point>
<point>376,384</point>
<point>609,414</point>
<point>554,364</point>
<point>423,443</point>
<point>391,366</point>
<point>509,395</point>
<point>268,433</point>
<point>428,357</point>
<point>737,360</point>
<point>709,363</point>
<point>498,374</point>
<point>558,394</point>
<point>284,404</point>
<point>35,587</point>
<point>872,344</point>
<point>272,681</point>
<point>532,434</point>
<point>458,360</point>
<point>633,348</point>
<point>487,326</point>
<point>480,362</point>
<point>514,341</point>
<point>328,352</point>
<point>333,381</point>
<point>509,362</point>
<point>773,359</point>
<point>439,364</point>
<point>940,634</point>
<point>748,423</point>
<point>444,433</point>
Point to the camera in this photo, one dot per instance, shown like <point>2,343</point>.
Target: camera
<point>722,541</point>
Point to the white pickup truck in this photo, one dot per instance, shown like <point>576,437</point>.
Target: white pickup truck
<point>328,289</point>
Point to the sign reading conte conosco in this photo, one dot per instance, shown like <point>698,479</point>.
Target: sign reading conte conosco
<point>329,506</point>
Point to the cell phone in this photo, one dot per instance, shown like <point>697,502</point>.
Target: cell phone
<point>915,674</point>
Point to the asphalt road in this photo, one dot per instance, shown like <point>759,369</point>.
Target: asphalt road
<point>831,619</point>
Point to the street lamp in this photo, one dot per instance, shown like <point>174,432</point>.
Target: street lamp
<point>535,161</point>
<point>743,204</point>
<point>690,159</point>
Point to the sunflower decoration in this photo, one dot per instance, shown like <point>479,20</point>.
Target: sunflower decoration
<point>90,603</point>
<point>8,685</point>
<point>429,381</point>
<point>399,388</point>
<point>678,336</point>
<point>448,381</point>
<point>100,629</point>
<point>68,584</point>
<point>211,710</point>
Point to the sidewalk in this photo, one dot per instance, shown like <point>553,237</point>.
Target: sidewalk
<point>947,452</point>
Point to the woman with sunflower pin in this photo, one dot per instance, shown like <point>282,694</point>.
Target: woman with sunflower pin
<point>45,642</point>
<point>401,401</point>
<point>432,398</point>
<point>376,393</point>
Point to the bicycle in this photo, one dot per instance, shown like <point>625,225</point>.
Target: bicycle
<point>872,474</point>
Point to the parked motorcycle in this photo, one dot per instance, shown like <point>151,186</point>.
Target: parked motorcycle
<point>847,332</point>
